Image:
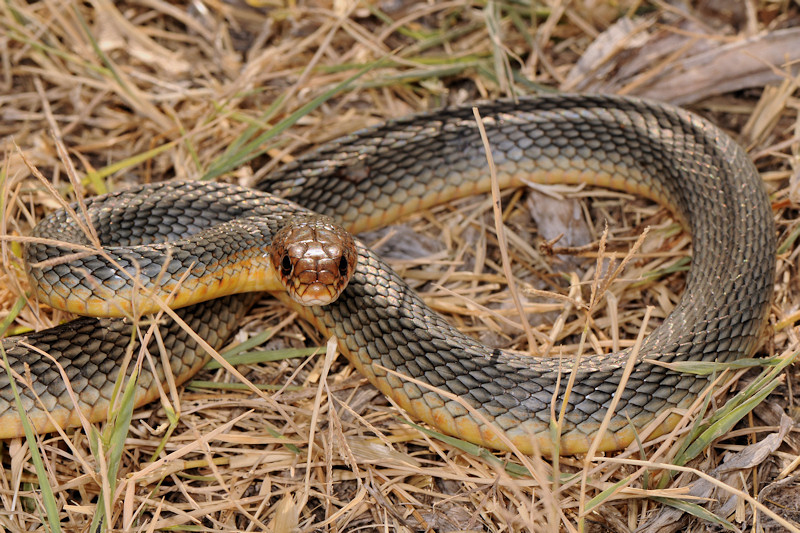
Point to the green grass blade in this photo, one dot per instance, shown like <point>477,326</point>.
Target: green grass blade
<point>734,410</point>
<point>96,176</point>
<point>255,147</point>
<point>198,384</point>
<point>251,358</point>
<point>472,449</point>
<point>604,495</point>
<point>113,443</point>
<point>695,510</point>
<point>48,497</point>
<point>249,344</point>
<point>706,368</point>
<point>237,146</point>
<point>788,242</point>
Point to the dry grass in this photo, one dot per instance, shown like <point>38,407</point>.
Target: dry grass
<point>140,91</point>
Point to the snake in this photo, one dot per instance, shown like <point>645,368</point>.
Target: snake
<point>189,231</point>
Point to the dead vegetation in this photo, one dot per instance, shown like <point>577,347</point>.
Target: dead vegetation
<point>128,92</point>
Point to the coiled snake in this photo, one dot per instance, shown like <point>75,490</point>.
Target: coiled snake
<point>372,177</point>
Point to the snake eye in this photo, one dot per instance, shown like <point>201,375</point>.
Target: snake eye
<point>286,266</point>
<point>343,266</point>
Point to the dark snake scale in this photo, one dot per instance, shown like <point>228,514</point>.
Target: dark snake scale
<point>372,177</point>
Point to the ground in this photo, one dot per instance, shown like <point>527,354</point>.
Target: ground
<point>98,95</point>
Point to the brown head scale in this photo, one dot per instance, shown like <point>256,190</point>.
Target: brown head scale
<point>314,258</point>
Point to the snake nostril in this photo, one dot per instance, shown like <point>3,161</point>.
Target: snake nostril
<point>286,266</point>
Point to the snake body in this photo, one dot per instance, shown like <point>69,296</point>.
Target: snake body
<point>432,370</point>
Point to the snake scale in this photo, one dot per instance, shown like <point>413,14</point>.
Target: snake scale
<point>372,177</point>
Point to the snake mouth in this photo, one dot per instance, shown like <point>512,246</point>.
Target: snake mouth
<point>314,294</point>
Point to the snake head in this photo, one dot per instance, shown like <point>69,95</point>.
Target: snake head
<point>314,259</point>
